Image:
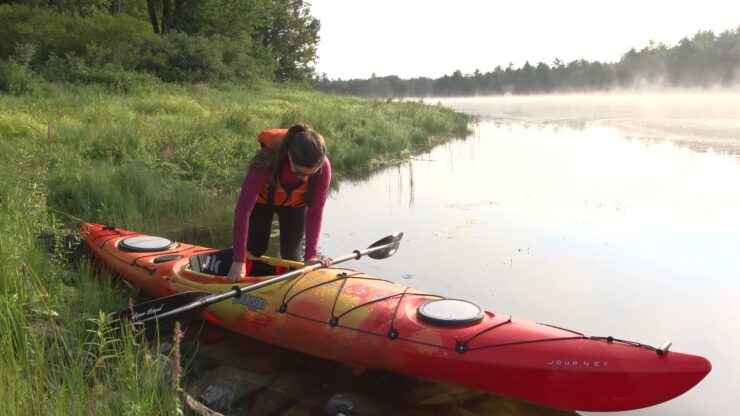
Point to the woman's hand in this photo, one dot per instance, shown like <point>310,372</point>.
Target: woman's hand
<point>324,261</point>
<point>237,272</point>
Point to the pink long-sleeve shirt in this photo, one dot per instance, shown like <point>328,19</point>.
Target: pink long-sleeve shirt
<point>254,180</point>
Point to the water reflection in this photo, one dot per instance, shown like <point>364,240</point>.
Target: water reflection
<point>269,380</point>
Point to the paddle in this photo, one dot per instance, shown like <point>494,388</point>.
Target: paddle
<point>159,313</point>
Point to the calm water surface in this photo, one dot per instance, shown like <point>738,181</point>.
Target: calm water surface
<point>611,215</point>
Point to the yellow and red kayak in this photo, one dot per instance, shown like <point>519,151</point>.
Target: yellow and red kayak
<point>355,318</point>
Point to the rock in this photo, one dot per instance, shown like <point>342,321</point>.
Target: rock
<point>48,239</point>
<point>70,244</point>
<point>166,364</point>
<point>288,392</point>
<point>337,404</point>
<point>165,348</point>
<point>217,397</point>
<point>271,402</point>
<point>73,246</point>
<point>69,293</point>
<point>298,385</point>
<point>221,387</point>
<point>349,403</point>
<point>70,278</point>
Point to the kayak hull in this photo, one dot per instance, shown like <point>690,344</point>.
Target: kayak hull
<point>355,318</point>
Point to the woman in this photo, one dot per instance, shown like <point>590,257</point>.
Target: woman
<point>289,176</point>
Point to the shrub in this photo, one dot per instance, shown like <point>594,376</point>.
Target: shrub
<point>20,125</point>
<point>16,79</point>
<point>104,48</point>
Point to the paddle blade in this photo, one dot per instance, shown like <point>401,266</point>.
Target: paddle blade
<point>391,243</point>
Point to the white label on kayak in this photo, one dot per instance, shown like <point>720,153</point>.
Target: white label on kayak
<point>212,264</point>
<point>253,303</point>
<point>576,363</point>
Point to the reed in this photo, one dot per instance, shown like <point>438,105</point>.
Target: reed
<point>59,354</point>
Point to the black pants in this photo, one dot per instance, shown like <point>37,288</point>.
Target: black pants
<point>292,227</point>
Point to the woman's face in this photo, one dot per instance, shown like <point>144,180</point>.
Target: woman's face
<point>303,172</point>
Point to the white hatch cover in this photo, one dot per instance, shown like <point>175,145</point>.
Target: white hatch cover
<point>450,312</point>
<point>146,243</point>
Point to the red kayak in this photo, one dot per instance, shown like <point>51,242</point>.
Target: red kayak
<point>355,318</point>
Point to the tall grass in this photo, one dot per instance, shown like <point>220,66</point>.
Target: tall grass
<point>180,152</point>
<point>162,158</point>
<point>59,354</point>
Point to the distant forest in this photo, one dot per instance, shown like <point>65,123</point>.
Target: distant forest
<point>704,60</point>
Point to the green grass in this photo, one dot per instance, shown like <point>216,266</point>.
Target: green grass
<point>181,151</point>
<point>162,158</point>
<point>59,354</point>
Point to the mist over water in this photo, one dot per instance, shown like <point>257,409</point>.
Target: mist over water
<point>609,214</point>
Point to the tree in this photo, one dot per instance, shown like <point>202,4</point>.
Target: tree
<point>71,7</point>
<point>153,15</point>
<point>542,77</point>
<point>292,36</point>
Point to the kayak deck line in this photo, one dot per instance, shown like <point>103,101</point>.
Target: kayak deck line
<point>663,349</point>
<point>461,346</point>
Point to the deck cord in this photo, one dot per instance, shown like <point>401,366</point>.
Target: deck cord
<point>393,333</point>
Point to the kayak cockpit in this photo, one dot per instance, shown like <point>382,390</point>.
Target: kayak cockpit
<point>215,265</point>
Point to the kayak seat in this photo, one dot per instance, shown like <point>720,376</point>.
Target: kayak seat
<point>218,263</point>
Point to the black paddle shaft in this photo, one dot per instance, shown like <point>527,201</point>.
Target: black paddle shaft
<point>190,304</point>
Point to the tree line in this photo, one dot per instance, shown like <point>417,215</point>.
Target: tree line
<point>90,41</point>
<point>704,60</point>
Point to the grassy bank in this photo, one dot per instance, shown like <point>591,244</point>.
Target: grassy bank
<point>162,157</point>
<point>173,151</point>
<point>59,353</point>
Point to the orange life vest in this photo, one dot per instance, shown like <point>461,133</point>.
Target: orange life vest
<point>273,193</point>
<point>271,138</point>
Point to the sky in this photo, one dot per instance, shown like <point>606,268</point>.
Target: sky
<point>413,38</point>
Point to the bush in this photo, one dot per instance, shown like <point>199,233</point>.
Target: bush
<point>121,80</point>
<point>16,79</point>
<point>192,58</point>
<point>98,39</point>
<point>108,49</point>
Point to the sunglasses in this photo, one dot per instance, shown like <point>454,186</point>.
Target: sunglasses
<point>299,172</point>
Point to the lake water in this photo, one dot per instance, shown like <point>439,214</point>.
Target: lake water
<point>612,215</point>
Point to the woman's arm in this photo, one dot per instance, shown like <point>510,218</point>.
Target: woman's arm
<point>254,180</point>
<point>316,211</point>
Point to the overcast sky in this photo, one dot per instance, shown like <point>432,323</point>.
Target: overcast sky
<point>411,38</point>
